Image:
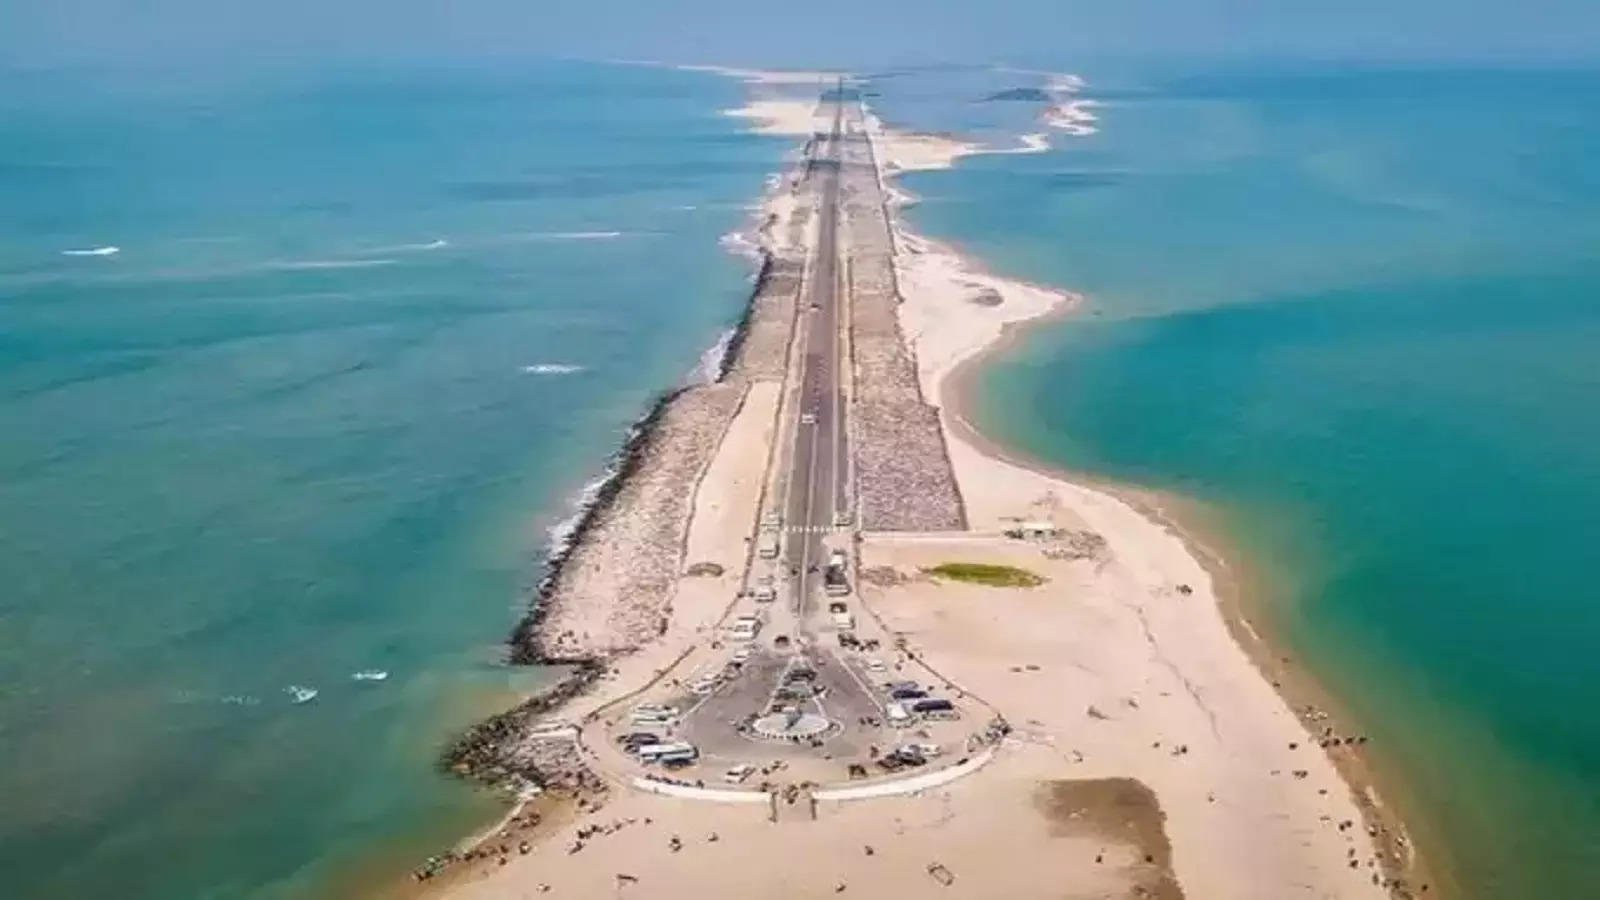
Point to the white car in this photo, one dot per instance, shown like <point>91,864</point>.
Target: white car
<point>808,418</point>
<point>743,654</point>
<point>876,665</point>
<point>738,774</point>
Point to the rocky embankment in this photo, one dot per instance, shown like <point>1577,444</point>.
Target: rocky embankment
<point>903,474</point>
<point>608,591</point>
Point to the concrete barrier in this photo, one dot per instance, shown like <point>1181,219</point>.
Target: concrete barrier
<point>690,792</point>
<point>903,786</point>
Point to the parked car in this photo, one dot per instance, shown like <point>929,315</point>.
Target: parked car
<point>738,774</point>
<point>634,740</point>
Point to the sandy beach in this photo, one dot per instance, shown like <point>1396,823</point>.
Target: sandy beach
<point>1150,757</point>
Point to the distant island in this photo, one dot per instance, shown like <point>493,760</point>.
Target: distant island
<point>1034,95</point>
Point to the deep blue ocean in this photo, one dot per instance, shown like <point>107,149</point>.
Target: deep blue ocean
<point>366,335</point>
<point>1356,313</point>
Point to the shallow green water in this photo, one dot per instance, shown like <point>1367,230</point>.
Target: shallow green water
<point>367,335</point>
<point>1358,313</point>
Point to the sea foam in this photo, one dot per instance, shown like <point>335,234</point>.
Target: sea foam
<point>552,369</point>
<point>314,264</point>
<point>107,250</point>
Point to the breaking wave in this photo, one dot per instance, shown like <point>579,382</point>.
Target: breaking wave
<point>107,250</point>
<point>713,362</point>
<point>551,369</point>
<point>437,244</point>
<point>741,244</point>
<point>573,235</point>
<point>313,264</point>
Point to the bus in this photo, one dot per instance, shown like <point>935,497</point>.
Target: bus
<point>675,752</point>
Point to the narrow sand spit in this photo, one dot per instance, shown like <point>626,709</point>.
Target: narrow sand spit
<point>1150,757</point>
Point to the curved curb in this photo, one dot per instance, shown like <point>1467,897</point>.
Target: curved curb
<point>689,792</point>
<point>912,785</point>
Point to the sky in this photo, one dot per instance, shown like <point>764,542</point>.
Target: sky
<point>850,33</point>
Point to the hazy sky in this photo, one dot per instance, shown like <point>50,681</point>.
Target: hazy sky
<point>842,32</point>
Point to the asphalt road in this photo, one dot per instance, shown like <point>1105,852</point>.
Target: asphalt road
<point>817,459</point>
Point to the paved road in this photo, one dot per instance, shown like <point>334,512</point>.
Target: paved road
<point>817,460</point>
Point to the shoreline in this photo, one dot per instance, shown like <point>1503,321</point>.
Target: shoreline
<point>1241,602</point>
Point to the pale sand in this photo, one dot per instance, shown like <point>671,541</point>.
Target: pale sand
<point>774,116</point>
<point>791,77</point>
<point>996,838</point>
<point>906,151</point>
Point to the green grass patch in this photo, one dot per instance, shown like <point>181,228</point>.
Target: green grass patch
<point>986,574</point>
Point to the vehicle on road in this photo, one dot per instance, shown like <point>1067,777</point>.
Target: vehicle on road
<point>705,684</point>
<point>840,614</point>
<point>743,654</point>
<point>745,628</point>
<point>765,591</point>
<point>834,582</point>
<point>876,666</point>
<point>767,546</point>
<point>772,520</point>
<point>907,757</point>
<point>634,740</point>
<point>675,752</point>
<point>935,708</point>
<point>659,716</point>
<point>738,774</point>
<point>808,418</point>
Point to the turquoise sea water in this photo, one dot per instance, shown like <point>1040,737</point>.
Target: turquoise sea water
<point>1358,313</point>
<point>367,335</point>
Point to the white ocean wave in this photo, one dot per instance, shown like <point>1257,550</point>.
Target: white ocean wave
<point>709,368</point>
<point>573,235</point>
<point>1037,142</point>
<point>552,369</point>
<point>740,243</point>
<point>1075,117</point>
<point>107,250</point>
<point>1065,83</point>
<point>437,244</point>
<point>562,532</point>
<point>312,264</point>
